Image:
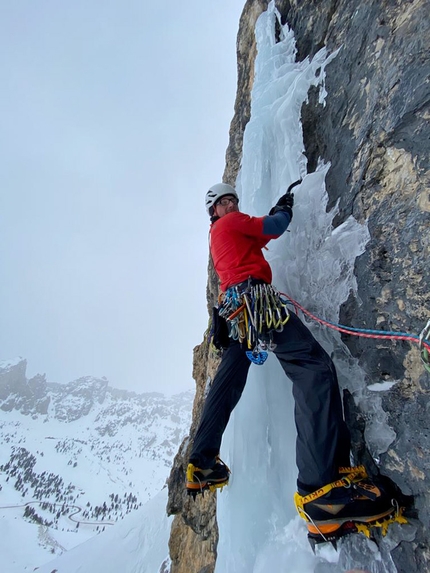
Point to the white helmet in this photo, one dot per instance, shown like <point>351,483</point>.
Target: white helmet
<point>216,192</point>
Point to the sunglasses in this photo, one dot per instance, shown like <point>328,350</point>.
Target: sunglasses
<point>226,200</point>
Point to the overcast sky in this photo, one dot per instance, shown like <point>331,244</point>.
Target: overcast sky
<point>114,122</point>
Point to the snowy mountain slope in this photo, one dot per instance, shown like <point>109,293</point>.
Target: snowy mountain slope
<point>136,545</point>
<point>77,458</point>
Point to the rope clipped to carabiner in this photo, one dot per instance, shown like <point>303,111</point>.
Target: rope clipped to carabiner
<point>424,350</point>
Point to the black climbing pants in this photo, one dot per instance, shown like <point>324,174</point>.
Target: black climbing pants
<point>323,442</point>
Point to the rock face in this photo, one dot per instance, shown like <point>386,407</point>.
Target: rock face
<point>374,131</point>
<point>18,393</point>
<point>194,533</point>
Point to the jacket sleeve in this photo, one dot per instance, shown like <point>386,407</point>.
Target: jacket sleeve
<point>276,224</point>
<point>265,228</point>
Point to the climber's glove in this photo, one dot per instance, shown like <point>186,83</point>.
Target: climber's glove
<point>286,202</point>
<point>284,208</point>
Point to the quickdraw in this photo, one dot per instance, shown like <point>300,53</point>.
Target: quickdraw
<point>424,348</point>
<point>252,313</point>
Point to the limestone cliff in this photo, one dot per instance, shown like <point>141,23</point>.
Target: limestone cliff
<point>374,131</point>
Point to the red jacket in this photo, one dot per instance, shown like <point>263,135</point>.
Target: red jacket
<point>236,241</point>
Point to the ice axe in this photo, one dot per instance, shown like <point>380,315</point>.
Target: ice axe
<point>286,201</point>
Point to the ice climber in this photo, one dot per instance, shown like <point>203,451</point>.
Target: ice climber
<point>330,493</point>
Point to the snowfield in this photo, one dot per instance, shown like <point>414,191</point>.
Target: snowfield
<point>77,459</point>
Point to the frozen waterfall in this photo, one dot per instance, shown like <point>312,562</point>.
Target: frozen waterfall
<point>259,528</point>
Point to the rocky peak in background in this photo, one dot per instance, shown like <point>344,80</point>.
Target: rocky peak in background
<point>12,378</point>
<point>87,395</point>
<point>18,393</point>
<point>374,133</point>
<point>34,396</point>
<point>77,398</point>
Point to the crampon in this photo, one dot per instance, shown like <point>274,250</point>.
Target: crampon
<point>349,527</point>
<point>328,526</point>
<point>198,481</point>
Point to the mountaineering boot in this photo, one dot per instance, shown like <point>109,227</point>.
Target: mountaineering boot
<point>198,480</point>
<point>331,511</point>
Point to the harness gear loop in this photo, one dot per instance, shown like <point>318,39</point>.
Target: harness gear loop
<point>253,312</point>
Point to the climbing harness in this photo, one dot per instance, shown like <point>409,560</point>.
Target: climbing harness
<point>352,477</point>
<point>253,311</point>
<point>422,340</point>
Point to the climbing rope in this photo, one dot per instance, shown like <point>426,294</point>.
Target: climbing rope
<point>422,340</point>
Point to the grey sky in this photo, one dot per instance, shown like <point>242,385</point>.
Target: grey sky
<point>114,121</point>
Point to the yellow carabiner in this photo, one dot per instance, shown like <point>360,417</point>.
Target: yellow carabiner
<point>287,314</point>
